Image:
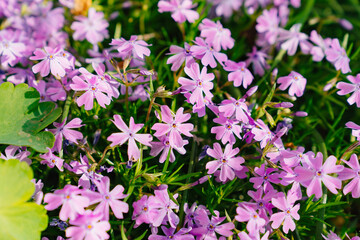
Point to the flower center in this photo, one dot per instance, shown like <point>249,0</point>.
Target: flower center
<point>145,209</point>
<point>174,125</point>
<point>255,216</point>
<point>167,143</point>
<point>266,177</point>
<point>93,88</point>
<point>288,211</point>
<point>228,126</point>
<point>53,161</point>
<point>51,56</point>
<point>242,69</point>
<point>318,173</point>
<point>67,196</point>
<point>89,226</point>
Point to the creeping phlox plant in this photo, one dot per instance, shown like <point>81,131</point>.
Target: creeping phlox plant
<point>179,119</point>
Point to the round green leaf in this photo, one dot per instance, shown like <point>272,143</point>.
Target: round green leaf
<point>19,219</point>
<point>22,117</point>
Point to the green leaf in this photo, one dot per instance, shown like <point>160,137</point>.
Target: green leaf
<point>19,219</point>
<point>22,117</point>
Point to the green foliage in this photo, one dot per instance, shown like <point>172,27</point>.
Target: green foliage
<point>19,219</point>
<point>22,117</point>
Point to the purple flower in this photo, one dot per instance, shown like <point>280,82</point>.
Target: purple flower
<point>262,133</point>
<point>111,84</point>
<point>181,10</point>
<point>71,200</point>
<point>133,47</point>
<point>289,212</point>
<point>207,228</point>
<point>173,126</point>
<point>10,153</point>
<point>337,56</point>
<point>296,82</point>
<point>129,134</point>
<point>93,27</point>
<point>93,89</point>
<point>226,161</point>
<point>227,7</point>
<point>253,236</point>
<point>53,59</point>
<point>146,210</point>
<point>166,208</point>
<point>193,213</point>
<point>88,226</point>
<point>11,49</point>
<point>231,106</point>
<point>240,75</point>
<point>227,131</point>
<point>63,130</point>
<point>351,173</point>
<point>293,38</point>
<point>181,55</point>
<point>264,178</point>
<point>107,198</point>
<point>314,173</point>
<point>318,52</point>
<point>355,129</point>
<point>207,54</point>
<point>88,176</point>
<point>51,160</point>
<point>199,84</point>
<point>216,35</point>
<point>182,234</point>
<point>38,194</point>
<point>164,146</point>
<point>258,59</point>
<point>268,24</point>
<point>354,86</point>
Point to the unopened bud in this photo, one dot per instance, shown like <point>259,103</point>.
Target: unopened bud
<point>346,24</point>
<point>284,105</point>
<point>300,114</point>
<point>250,92</point>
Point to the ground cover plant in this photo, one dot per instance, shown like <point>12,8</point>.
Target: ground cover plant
<point>179,119</point>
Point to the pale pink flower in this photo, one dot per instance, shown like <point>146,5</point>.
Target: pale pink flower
<point>94,88</point>
<point>108,199</point>
<point>296,82</point>
<point>355,129</point>
<point>53,59</point>
<point>199,84</point>
<point>181,55</point>
<point>180,9</point>
<point>315,172</point>
<point>227,131</point>
<point>216,35</point>
<point>64,130</point>
<point>226,161</point>
<point>354,86</point>
<point>71,200</point>
<point>174,126</point>
<point>88,226</point>
<point>289,212</point>
<point>207,54</point>
<point>239,74</point>
<point>337,56</point>
<point>351,173</point>
<point>92,28</point>
<point>129,134</point>
<point>51,160</point>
